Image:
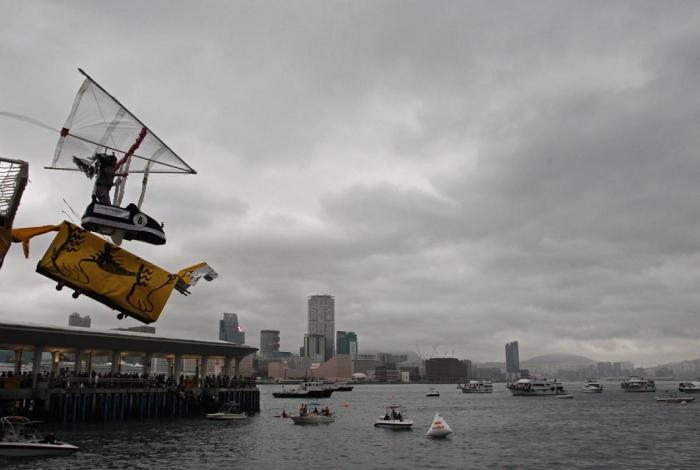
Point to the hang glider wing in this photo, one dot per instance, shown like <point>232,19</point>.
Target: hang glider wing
<point>97,121</point>
<point>89,265</point>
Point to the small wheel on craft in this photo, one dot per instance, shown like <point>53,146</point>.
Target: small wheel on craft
<point>120,316</point>
<point>59,286</point>
<point>76,294</point>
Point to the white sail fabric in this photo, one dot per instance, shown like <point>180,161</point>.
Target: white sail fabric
<point>98,122</point>
<point>439,427</point>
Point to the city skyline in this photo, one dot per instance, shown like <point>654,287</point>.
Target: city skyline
<point>458,176</point>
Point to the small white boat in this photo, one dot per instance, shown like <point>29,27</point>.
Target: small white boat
<point>393,419</point>
<point>565,396</point>
<point>439,427</point>
<point>432,393</point>
<point>689,387</point>
<point>592,386</point>
<point>21,438</point>
<point>230,411</point>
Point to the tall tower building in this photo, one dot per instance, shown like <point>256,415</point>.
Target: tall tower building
<point>512,358</point>
<point>75,319</point>
<point>229,330</point>
<point>322,322</point>
<point>269,341</point>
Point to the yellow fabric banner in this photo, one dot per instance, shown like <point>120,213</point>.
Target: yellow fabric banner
<point>107,273</point>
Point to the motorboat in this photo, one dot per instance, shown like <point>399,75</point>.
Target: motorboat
<point>19,437</point>
<point>439,427</point>
<point>675,399</point>
<point>393,419</point>
<point>477,386</point>
<point>638,384</point>
<point>536,388</point>
<point>230,411</point>
<point>306,390</point>
<point>689,387</point>
<point>592,386</point>
<point>432,393</point>
<point>313,417</point>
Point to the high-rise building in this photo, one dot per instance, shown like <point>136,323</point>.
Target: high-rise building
<point>512,358</point>
<point>75,319</point>
<point>269,341</point>
<point>315,347</point>
<point>322,322</point>
<point>346,343</point>
<point>390,358</point>
<point>468,367</point>
<point>445,370</point>
<point>229,330</point>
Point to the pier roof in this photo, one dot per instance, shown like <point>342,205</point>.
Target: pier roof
<point>27,336</point>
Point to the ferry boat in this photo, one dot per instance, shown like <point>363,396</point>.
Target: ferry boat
<point>306,390</point>
<point>689,387</point>
<point>592,386</point>
<point>536,388</point>
<point>393,419</point>
<point>638,384</point>
<point>19,437</point>
<point>477,386</point>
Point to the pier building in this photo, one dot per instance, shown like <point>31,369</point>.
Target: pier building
<point>81,394</point>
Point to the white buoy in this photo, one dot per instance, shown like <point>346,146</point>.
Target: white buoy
<point>439,427</point>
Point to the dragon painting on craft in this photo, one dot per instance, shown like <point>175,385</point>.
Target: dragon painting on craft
<point>109,274</point>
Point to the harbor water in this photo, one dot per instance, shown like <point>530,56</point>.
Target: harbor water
<point>609,430</point>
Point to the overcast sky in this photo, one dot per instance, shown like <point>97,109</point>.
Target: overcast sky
<point>454,173</point>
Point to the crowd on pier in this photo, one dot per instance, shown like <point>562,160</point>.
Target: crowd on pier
<point>67,378</point>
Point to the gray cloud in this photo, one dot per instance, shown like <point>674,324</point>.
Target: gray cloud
<point>455,173</point>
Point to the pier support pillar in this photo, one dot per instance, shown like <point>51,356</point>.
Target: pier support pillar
<point>147,362</point>
<point>171,366</point>
<point>116,362</point>
<point>204,362</point>
<point>18,361</point>
<point>178,368</point>
<point>88,363</point>
<point>55,362</point>
<point>227,365</point>
<point>36,366</point>
<point>77,366</point>
<point>237,366</point>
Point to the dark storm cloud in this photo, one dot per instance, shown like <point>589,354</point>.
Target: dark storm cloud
<point>455,173</point>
